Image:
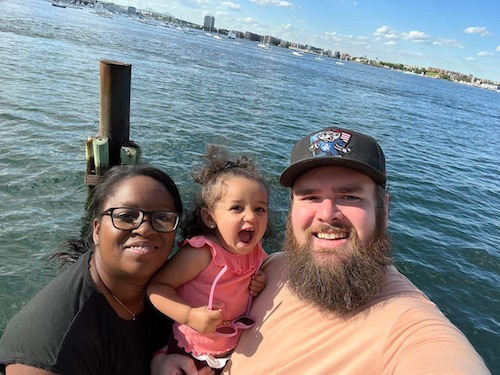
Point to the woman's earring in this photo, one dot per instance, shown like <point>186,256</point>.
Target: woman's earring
<point>212,226</point>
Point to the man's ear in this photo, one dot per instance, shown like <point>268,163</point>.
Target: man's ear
<point>386,205</point>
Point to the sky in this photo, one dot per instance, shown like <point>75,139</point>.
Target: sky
<point>460,35</point>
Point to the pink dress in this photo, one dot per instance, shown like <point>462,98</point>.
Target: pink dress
<point>231,290</point>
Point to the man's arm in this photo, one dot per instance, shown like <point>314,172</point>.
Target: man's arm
<point>423,340</point>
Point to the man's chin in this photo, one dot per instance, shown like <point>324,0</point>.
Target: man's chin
<point>329,257</point>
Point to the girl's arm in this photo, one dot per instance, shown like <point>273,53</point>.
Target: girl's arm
<point>184,266</point>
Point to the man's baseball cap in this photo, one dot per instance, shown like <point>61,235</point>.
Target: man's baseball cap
<point>336,147</point>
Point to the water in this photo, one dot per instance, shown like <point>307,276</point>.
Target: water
<point>440,138</point>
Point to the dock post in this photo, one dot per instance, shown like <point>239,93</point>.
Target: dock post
<point>114,121</point>
<point>106,150</point>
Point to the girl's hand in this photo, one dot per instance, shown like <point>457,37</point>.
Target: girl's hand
<point>257,283</point>
<point>204,320</point>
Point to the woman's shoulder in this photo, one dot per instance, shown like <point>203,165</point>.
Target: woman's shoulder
<point>67,291</point>
<point>41,327</point>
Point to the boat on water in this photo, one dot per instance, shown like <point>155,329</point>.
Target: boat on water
<point>263,45</point>
<point>59,5</point>
<point>295,53</point>
<point>342,59</point>
<point>231,34</point>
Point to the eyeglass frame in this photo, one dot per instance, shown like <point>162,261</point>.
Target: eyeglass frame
<point>110,210</point>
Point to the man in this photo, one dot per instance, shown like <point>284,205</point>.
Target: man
<point>334,303</point>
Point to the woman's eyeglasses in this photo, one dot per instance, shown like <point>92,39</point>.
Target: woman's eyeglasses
<point>127,218</point>
<point>230,328</point>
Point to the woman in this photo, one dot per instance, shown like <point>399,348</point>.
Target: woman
<point>94,318</point>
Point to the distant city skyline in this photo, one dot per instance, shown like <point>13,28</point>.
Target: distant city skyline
<point>461,36</point>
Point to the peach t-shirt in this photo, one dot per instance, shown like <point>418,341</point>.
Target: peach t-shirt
<point>399,332</point>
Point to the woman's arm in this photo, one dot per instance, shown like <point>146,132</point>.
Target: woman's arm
<point>19,369</point>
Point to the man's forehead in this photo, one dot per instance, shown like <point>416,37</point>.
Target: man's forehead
<point>338,178</point>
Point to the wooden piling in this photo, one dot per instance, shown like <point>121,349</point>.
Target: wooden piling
<point>112,146</point>
<point>114,118</point>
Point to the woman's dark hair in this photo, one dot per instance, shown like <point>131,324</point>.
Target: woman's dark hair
<point>70,250</point>
<point>211,177</point>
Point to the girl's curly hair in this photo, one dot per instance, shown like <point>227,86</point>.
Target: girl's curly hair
<point>218,167</point>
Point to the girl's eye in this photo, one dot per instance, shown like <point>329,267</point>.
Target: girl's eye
<point>261,209</point>
<point>236,208</point>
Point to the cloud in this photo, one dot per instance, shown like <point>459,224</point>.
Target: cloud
<point>386,32</point>
<point>276,3</point>
<point>247,20</point>
<point>383,30</point>
<point>470,59</point>
<point>391,36</point>
<point>390,43</point>
<point>351,40</point>
<point>416,37</point>
<point>232,6</point>
<point>477,30</point>
<point>333,36</point>
<point>498,48</point>
<point>447,42</point>
<point>484,54</point>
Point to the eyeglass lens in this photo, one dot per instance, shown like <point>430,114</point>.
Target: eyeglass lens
<point>131,218</point>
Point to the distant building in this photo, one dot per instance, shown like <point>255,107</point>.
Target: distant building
<point>268,39</point>
<point>252,36</point>
<point>132,10</point>
<point>209,23</point>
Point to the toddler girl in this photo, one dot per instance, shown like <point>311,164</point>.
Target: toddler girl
<point>207,286</point>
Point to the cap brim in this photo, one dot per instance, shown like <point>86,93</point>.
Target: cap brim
<point>291,173</point>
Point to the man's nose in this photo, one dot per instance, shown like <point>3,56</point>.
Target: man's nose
<point>329,211</point>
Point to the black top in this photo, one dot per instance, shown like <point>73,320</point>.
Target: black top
<point>69,328</point>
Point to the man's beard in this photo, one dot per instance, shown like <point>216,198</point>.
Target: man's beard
<point>346,280</point>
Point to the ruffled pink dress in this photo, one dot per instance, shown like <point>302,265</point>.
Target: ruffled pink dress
<point>231,290</point>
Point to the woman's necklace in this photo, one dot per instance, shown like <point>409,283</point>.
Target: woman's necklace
<point>125,307</point>
<point>116,298</point>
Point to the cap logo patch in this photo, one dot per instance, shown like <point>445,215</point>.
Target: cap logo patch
<point>331,142</point>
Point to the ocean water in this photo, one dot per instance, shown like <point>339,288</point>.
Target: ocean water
<point>441,142</point>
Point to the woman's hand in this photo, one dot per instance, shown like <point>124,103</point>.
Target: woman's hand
<point>176,364</point>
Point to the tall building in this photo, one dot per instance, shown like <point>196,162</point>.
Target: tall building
<point>209,23</point>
